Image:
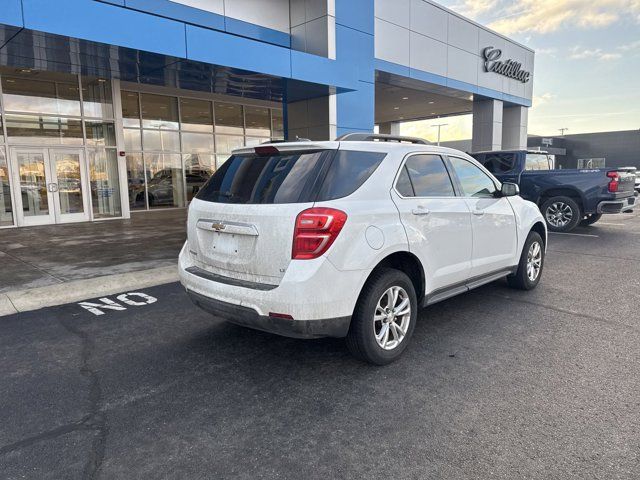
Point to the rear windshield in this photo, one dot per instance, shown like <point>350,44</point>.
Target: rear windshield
<point>297,177</point>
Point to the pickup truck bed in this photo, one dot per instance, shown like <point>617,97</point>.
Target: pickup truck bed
<point>565,197</point>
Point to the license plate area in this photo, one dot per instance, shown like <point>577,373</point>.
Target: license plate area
<point>224,244</point>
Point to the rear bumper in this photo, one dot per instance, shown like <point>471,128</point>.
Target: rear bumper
<point>247,317</point>
<point>320,298</point>
<point>617,206</point>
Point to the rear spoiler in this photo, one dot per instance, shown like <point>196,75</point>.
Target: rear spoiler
<point>276,148</point>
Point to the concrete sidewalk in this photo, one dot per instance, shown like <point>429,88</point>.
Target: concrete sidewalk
<point>54,264</point>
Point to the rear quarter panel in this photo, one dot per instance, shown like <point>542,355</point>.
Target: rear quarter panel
<point>373,229</point>
<point>590,185</point>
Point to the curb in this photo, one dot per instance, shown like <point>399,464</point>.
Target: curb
<point>33,299</point>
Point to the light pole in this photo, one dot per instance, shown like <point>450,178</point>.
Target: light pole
<point>562,130</point>
<point>439,125</point>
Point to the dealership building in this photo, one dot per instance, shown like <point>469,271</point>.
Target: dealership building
<point>113,107</point>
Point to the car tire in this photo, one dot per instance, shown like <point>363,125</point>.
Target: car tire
<point>532,257</point>
<point>366,338</point>
<point>590,219</point>
<point>562,214</point>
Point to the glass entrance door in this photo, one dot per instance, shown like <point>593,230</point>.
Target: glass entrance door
<point>69,186</point>
<point>51,185</point>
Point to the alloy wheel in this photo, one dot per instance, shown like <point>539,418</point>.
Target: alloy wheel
<point>391,318</point>
<point>559,214</point>
<point>534,261</point>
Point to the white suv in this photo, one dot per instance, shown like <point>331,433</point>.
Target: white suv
<point>350,238</point>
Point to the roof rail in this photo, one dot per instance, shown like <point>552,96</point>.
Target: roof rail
<point>381,137</point>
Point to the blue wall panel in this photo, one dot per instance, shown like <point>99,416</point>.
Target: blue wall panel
<point>313,68</point>
<point>356,48</point>
<point>258,32</point>
<point>101,22</point>
<point>356,110</point>
<point>220,48</point>
<point>357,14</point>
<point>355,52</point>
<point>202,18</point>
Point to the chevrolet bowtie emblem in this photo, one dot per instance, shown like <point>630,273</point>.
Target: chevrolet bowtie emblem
<point>218,226</point>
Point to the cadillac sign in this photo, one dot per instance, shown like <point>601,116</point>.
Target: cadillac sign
<point>508,68</point>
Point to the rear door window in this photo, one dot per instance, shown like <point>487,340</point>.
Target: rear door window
<point>537,161</point>
<point>424,176</point>
<point>348,171</point>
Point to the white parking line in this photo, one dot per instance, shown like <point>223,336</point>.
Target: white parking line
<point>616,224</point>
<point>576,234</point>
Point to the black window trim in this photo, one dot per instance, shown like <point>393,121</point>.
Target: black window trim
<point>447,166</point>
<point>475,163</point>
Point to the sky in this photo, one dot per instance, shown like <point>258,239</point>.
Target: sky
<point>587,63</point>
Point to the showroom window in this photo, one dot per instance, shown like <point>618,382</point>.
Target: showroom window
<point>51,110</point>
<point>6,210</point>
<point>174,144</point>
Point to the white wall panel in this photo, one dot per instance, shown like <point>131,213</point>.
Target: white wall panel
<point>391,42</point>
<point>267,13</point>
<point>394,11</point>
<point>463,34</point>
<point>428,54</point>
<point>429,20</point>
<point>462,65</point>
<point>214,6</point>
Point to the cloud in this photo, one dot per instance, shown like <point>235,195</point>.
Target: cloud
<point>544,16</point>
<point>474,8</point>
<point>578,53</point>
<point>539,100</point>
<point>630,47</point>
<point>551,51</point>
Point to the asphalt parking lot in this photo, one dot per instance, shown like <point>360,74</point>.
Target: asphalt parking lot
<point>496,383</point>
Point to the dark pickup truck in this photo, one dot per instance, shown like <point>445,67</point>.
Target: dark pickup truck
<point>566,197</point>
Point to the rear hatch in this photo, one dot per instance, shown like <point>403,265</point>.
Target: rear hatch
<point>242,220</point>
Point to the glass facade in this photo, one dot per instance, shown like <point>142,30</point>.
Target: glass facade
<point>174,144</point>
<point>59,157</point>
<point>52,110</point>
<point>6,209</point>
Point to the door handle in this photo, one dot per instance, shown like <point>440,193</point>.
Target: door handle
<point>479,213</point>
<point>421,211</point>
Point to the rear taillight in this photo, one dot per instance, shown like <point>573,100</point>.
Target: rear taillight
<point>315,231</point>
<point>614,182</point>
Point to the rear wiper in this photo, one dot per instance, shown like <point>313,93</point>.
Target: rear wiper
<point>229,195</point>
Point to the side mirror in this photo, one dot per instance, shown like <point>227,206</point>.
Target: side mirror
<point>510,189</point>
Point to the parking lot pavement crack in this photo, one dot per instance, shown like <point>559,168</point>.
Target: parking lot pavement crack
<point>95,419</point>
<point>48,435</point>
<point>567,312</point>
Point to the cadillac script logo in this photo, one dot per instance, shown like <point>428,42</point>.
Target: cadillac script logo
<point>509,68</point>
